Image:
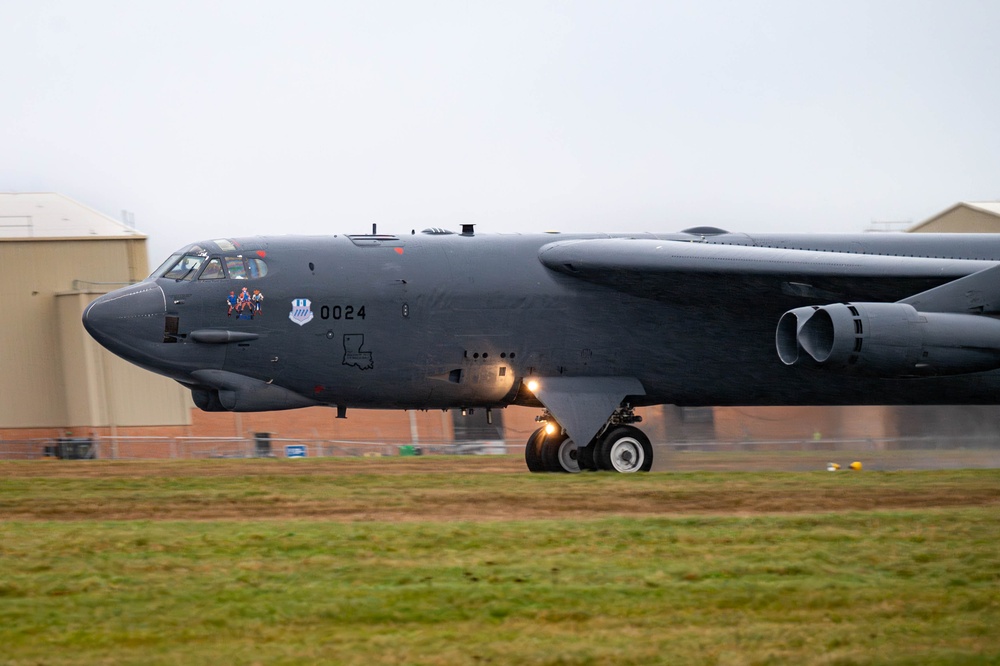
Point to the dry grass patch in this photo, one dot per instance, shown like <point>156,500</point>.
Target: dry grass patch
<point>474,490</point>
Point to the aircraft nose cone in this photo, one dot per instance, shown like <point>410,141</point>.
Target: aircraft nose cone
<point>126,318</point>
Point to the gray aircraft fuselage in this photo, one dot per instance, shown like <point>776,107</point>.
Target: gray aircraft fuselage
<point>446,320</point>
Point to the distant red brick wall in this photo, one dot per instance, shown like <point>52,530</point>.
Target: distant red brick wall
<point>310,423</point>
<point>394,426</point>
<point>765,423</point>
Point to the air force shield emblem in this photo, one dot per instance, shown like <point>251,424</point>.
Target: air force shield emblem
<point>301,311</point>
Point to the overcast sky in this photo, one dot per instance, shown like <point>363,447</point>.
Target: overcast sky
<point>214,119</point>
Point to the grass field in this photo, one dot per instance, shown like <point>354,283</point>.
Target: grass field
<point>472,561</point>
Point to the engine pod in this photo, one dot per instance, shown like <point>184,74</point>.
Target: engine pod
<point>889,340</point>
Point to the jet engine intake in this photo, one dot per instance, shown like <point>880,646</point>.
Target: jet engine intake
<point>888,340</point>
<point>207,400</point>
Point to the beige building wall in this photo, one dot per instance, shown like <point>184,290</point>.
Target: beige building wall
<point>964,218</point>
<point>103,390</point>
<point>52,374</point>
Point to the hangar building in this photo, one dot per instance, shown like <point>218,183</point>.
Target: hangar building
<point>57,255</point>
<point>965,217</point>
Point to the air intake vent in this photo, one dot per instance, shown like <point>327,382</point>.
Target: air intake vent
<point>171,326</point>
<point>380,240</point>
<point>437,231</point>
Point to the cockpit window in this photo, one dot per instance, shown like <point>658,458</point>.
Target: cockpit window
<point>213,270</point>
<point>187,264</point>
<point>256,267</point>
<point>166,265</point>
<point>234,265</point>
<point>185,267</point>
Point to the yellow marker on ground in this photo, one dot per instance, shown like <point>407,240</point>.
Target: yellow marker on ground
<point>856,466</point>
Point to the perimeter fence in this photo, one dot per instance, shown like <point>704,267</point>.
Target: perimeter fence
<point>261,446</point>
<point>178,448</point>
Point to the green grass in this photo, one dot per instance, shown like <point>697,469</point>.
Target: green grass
<point>914,586</point>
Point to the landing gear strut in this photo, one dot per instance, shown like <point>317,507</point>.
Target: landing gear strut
<point>618,447</point>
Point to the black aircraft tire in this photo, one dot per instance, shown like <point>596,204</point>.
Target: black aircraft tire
<point>533,451</point>
<point>559,454</point>
<point>587,457</point>
<point>626,450</point>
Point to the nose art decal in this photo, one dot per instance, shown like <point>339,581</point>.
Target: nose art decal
<point>244,304</point>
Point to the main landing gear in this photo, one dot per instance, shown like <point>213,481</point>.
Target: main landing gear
<point>618,447</point>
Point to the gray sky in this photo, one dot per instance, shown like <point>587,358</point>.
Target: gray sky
<point>213,119</point>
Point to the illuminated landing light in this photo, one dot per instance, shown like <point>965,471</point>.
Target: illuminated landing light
<point>532,385</point>
<point>550,428</point>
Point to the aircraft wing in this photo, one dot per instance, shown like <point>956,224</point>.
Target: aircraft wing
<point>691,272</point>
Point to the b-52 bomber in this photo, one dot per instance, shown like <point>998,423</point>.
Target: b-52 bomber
<point>585,327</point>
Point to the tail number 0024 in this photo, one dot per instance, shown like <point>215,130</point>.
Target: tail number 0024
<point>341,312</point>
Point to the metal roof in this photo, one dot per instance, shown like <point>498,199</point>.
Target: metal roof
<point>992,207</point>
<point>48,215</point>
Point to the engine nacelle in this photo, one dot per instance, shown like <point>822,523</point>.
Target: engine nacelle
<point>888,340</point>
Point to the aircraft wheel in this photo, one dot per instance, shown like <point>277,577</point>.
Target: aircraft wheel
<point>587,457</point>
<point>533,451</point>
<point>559,454</point>
<point>625,449</point>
